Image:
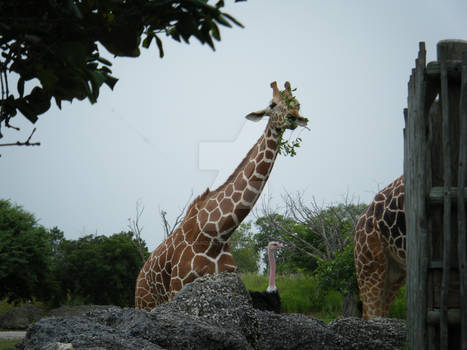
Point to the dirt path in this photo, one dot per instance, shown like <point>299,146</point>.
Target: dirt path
<point>10,335</point>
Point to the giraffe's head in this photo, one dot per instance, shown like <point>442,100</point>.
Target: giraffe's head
<point>283,111</point>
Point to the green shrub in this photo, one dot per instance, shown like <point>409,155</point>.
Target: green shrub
<point>333,302</point>
<point>299,293</point>
<point>8,344</point>
<point>398,307</point>
<point>5,306</point>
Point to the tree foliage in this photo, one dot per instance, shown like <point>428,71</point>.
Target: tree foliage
<point>39,263</point>
<point>53,44</point>
<point>98,269</point>
<point>294,258</point>
<point>319,239</point>
<point>25,251</point>
<point>242,247</point>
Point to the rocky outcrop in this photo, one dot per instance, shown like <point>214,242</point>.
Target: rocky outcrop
<point>376,334</point>
<point>213,312</point>
<point>20,317</point>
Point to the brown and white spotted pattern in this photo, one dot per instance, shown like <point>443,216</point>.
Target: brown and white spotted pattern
<point>199,245</point>
<point>380,250</point>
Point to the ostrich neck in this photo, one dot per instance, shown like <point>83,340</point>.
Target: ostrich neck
<point>227,206</point>
<point>272,271</point>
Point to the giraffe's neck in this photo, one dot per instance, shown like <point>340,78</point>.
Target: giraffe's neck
<point>227,206</point>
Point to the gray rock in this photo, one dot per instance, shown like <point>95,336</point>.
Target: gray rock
<point>213,312</point>
<point>296,331</point>
<point>20,317</point>
<point>59,346</point>
<point>377,334</point>
<point>72,310</point>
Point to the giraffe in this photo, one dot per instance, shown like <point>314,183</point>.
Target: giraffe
<point>199,245</point>
<point>380,250</point>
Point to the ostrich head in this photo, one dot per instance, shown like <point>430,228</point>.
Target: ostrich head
<point>274,245</point>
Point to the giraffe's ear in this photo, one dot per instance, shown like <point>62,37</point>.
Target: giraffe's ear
<point>256,116</point>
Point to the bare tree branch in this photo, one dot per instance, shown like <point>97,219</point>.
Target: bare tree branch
<point>331,225</point>
<point>135,227</point>
<point>26,143</point>
<point>169,229</point>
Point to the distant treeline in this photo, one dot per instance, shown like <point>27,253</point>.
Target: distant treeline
<point>40,264</point>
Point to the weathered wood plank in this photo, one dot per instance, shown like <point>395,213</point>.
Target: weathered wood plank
<point>454,67</point>
<point>446,149</point>
<point>415,177</point>
<point>436,195</point>
<point>461,195</point>
<point>453,318</point>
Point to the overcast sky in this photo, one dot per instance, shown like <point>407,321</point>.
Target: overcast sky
<point>176,125</point>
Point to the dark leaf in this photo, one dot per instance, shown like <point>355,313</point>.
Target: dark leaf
<point>20,87</point>
<point>215,31</point>
<point>147,41</point>
<point>233,19</point>
<point>159,45</point>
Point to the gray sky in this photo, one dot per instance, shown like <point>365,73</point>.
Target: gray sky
<point>176,125</point>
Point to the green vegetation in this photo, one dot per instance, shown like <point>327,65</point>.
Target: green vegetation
<point>242,247</point>
<point>398,309</point>
<point>8,344</point>
<point>5,306</point>
<point>314,277</point>
<point>301,293</point>
<point>39,264</point>
<point>55,46</point>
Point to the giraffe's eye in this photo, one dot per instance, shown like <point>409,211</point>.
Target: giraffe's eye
<point>272,105</point>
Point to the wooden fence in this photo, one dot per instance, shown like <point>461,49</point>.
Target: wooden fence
<point>435,173</point>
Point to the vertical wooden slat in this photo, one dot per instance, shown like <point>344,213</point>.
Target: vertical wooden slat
<point>415,177</point>
<point>462,179</point>
<point>446,149</point>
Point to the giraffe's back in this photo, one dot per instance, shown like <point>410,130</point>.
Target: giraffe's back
<point>390,220</point>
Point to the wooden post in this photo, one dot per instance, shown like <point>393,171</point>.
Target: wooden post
<point>461,184</point>
<point>435,174</point>
<point>446,149</point>
<point>415,182</point>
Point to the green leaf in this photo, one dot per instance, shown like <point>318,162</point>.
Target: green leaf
<point>147,40</point>
<point>104,61</point>
<point>159,45</point>
<point>20,86</point>
<point>223,21</point>
<point>47,78</point>
<point>58,101</point>
<point>233,19</point>
<point>110,81</point>
<point>215,31</point>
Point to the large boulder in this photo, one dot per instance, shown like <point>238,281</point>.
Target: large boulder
<point>20,317</point>
<point>213,312</point>
<point>376,334</point>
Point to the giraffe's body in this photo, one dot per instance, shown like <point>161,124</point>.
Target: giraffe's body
<point>199,245</point>
<point>380,250</point>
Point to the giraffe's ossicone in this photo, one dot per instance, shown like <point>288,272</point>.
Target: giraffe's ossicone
<point>199,245</point>
<point>380,250</point>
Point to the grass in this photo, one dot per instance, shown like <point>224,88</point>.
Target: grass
<point>8,344</point>
<point>4,306</point>
<point>398,308</point>
<point>301,294</point>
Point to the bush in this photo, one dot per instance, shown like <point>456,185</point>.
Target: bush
<point>398,308</point>
<point>299,293</point>
<point>333,302</point>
